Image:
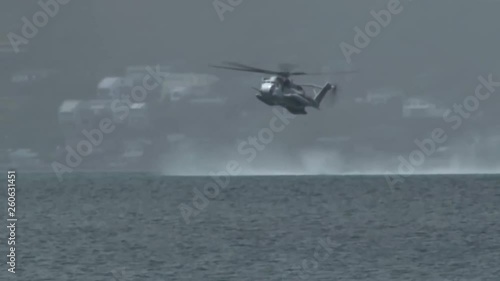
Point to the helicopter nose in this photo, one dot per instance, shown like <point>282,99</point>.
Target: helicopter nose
<point>266,88</point>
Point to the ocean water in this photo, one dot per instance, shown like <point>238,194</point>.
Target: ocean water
<point>131,227</point>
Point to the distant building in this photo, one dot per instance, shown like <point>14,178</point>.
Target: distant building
<point>379,107</point>
<point>75,116</point>
<point>24,158</point>
<point>10,61</point>
<point>67,114</point>
<point>421,108</point>
<point>32,81</point>
<point>111,88</point>
<point>29,76</point>
<point>138,117</point>
<point>91,112</point>
<point>380,96</point>
<point>178,86</point>
<point>135,75</point>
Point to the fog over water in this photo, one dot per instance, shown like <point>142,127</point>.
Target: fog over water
<point>319,163</point>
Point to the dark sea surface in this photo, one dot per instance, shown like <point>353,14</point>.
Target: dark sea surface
<point>131,227</point>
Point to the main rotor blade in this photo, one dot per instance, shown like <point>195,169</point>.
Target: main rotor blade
<point>255,69</point>
<point>323,73</point>
<point>283,72</point>
<point>300,73</point>
<point>243,69</point>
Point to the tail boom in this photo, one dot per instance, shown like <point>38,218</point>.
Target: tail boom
<point>319,96</point>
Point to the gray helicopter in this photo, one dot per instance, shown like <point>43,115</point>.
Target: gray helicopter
<point>280,90</point>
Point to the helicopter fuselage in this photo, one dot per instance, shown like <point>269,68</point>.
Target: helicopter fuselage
<point>278,86</point>
<point>280,90</point>
<point>276,90</point>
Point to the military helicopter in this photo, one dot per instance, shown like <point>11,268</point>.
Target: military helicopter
<point>279,90</point>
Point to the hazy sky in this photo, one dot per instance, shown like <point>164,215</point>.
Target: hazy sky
<point>456,36</point>
<point>450,41</point>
